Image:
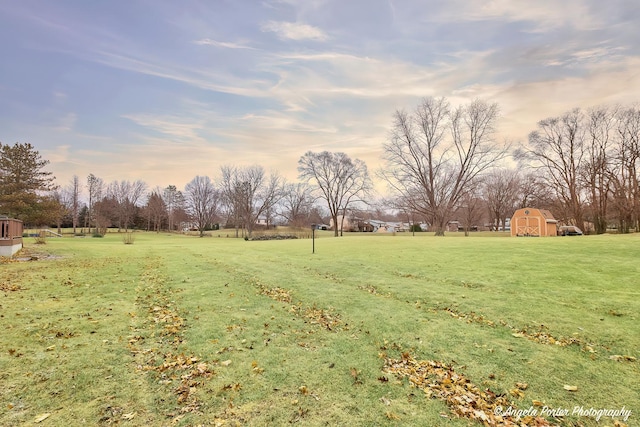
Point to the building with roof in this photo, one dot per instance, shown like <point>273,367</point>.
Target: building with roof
<point>10,236</point>
<point>533,222</point>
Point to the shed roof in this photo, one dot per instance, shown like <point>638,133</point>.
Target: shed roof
<point>546,214</point>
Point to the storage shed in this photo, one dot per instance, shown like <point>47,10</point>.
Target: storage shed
<point>533,222</point>
<point>10,236</point>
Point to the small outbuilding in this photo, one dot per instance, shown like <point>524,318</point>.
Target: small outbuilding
<point>10,236</point>
<point>533,222</point>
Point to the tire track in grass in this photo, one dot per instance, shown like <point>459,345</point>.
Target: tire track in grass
<point>158,329</point>
<point>540,334</point>
<point>317,318</point>
<point>326,318</point>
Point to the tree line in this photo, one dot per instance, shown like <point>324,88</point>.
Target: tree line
<point>441,163</point>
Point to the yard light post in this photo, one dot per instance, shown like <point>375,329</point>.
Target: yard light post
<point>313,238</point>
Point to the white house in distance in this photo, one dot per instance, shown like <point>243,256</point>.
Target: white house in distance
<point>373,225</point>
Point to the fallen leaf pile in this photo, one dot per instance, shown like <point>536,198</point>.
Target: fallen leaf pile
<point>464,398</point>
<point>542,336</point>
<point>318,316</point>
<point>9,287</point>
<point>171,321</point>
<point>9,283</point>
<point>275,293</point>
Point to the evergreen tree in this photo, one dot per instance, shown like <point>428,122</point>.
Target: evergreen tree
<point>24,184</point>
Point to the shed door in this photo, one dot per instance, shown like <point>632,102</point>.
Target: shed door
<point>527,226</point>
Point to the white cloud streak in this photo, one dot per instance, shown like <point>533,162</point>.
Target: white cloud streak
<point>227,45</point>
<point>294,31</point>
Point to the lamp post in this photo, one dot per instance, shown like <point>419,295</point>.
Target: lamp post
<point>313,238</point>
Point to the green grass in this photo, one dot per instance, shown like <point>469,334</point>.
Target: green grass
<point>107,333</point>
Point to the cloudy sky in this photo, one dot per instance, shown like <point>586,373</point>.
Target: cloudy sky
<point>165,90</point>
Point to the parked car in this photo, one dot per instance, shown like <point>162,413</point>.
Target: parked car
<point>569,230</point>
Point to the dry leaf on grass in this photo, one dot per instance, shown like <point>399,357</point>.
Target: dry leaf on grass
<point>465,399</point>
<point>128,416</point>
<point>40,418</point>
<point>621,358</point>
<point>570,387</point>
<point>391,416</point>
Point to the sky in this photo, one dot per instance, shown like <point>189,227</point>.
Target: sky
<point>163,90</point>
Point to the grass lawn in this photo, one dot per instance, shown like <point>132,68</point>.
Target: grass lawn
<point>369,330</point>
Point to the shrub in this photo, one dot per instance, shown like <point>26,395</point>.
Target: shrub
<point>41,238</point>
<point>415,228</point>
<point>128,238</point>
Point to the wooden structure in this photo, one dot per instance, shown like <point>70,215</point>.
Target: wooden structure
<point>10,236</point>
<point>533,222</point>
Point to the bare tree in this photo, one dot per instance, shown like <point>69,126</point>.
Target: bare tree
<point>624,170</point>
<point>500,189</point>
<point>470,210</point>
<point>557,150</point>
<point>62,207</point>
<point>96,189</point>
<point>250,194</point>
<point>73,198</point>
<point>339,180</point>
<point>127,195</point>
<point>433,155</point>
<point>597,162</point>
<point>202,200</point>
<point>296,203</point>
<point>156,210</point>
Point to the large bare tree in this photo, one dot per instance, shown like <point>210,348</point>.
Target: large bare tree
<point>156,210</point>
<point>296,202</point>
<point>73,199</point>
<point>96,188</point>
<point>127,195</point>
<point>249,194</point>
<point>434,154</point>
<point>557,150</point>
<point>501,191</point>
<point>202,200</point>
<point>625,165</point>
<point>339,181</point>
<point>601,124</point>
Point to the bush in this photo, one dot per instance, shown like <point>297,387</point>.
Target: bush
<point>128,238</point>
<point>41,238</point>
